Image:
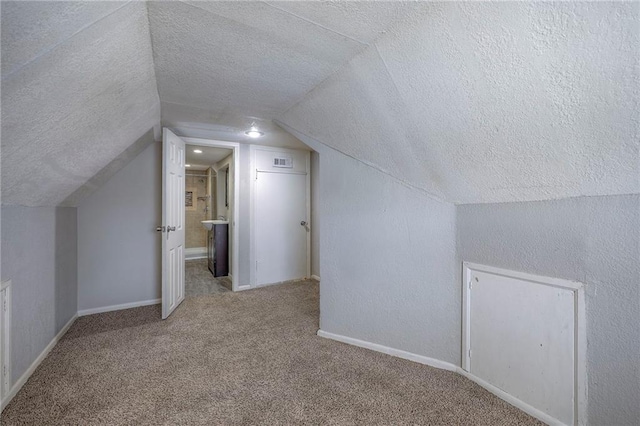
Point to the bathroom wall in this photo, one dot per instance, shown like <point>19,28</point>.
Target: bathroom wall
<point>222,209</point>
<point>196,234</point>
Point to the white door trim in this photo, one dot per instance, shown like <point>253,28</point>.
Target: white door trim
<point>235,170</point>
<point>5,339</point>
<point>252,203</point>
<point>580,343</point>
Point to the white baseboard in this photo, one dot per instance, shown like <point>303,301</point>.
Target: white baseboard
<point>432,362</point>
<point>111,308</point>
<point>534,412</point>
<point>34,365</point>
<point>193,253</point>
<point>315,277</point>
<point>390,351</point>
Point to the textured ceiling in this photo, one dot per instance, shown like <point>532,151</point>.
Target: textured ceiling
<point>492,102</point>
<point>200,123</point>
<point>78,89</point>
<point>472,102</point>
<point>224,65</point>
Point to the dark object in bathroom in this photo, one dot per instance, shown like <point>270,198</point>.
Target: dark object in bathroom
<point>218,250</point>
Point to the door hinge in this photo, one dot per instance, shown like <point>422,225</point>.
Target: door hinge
<point>4,303</point>
<point>470,284</point>
<point>469,353</point>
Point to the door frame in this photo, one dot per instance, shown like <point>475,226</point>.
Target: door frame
<point>252,206</point>
<point>235,166</point>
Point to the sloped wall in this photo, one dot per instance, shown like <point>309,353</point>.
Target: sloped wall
<point>78,89</point>
<point>387,259</point>
<point>594,240</point>
<point>492,101</point>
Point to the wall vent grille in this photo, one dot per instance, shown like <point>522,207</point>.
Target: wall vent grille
<point>283,162</point>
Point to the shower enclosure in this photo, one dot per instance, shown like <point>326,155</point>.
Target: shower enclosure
<point>199,205</point>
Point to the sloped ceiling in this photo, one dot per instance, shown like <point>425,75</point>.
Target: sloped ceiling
<point>471,102</point>
<point>222,66</point>
<point>78,89</point>
<point>492,102</point>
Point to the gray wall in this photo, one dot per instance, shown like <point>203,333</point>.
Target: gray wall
<point>387,261</point>
<point>315,219</point>
<point>594,240</point>
<point>244,217</point>
<point>119,250</point>
<point>118,246</point>
<point>39,256</point>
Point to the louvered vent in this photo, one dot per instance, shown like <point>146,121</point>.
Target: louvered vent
<point>283,162</point>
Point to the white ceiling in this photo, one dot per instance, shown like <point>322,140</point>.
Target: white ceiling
<point>473,102</point>
<point>492,102</point>
<point>209,156</point>
<point>222,66</point>
<point>78,88</point>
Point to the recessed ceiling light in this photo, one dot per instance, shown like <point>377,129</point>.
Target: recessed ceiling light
<point>187,165</point>
<point>253,132</point>
<point>197,151</point>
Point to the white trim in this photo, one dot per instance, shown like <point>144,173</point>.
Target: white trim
<point>315,277</point>
<point>34,365</point>
<point>5,344</point>
<point>235,167</point>
<point>194,253</point>
<point>534,412</point>
<point>580,343</point>
<point>540,279</point>
<point>120,307</point>
<point>421,359</point>
<point>443,365</point>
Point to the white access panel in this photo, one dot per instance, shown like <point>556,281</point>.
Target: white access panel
<point>521,336</point>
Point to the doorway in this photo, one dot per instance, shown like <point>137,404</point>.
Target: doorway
<point>207,219</point>
<point>178,155</point>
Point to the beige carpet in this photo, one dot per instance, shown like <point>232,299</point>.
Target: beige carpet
<point>239,358</point>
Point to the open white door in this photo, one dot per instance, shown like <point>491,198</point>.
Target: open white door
<point>173,158</point>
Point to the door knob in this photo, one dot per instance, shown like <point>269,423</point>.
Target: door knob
<point>160,229</point>
<point>303,223</point>
<point>170,228</point>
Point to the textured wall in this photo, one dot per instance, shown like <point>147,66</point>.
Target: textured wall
<point>39,256</point>
<point>595,240</point>
<point>244,213</point>
<point>315,217</point>
<point>387,259</point>
<point>78,89</point>
<point>492,101</point>
<point>118,246</point>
